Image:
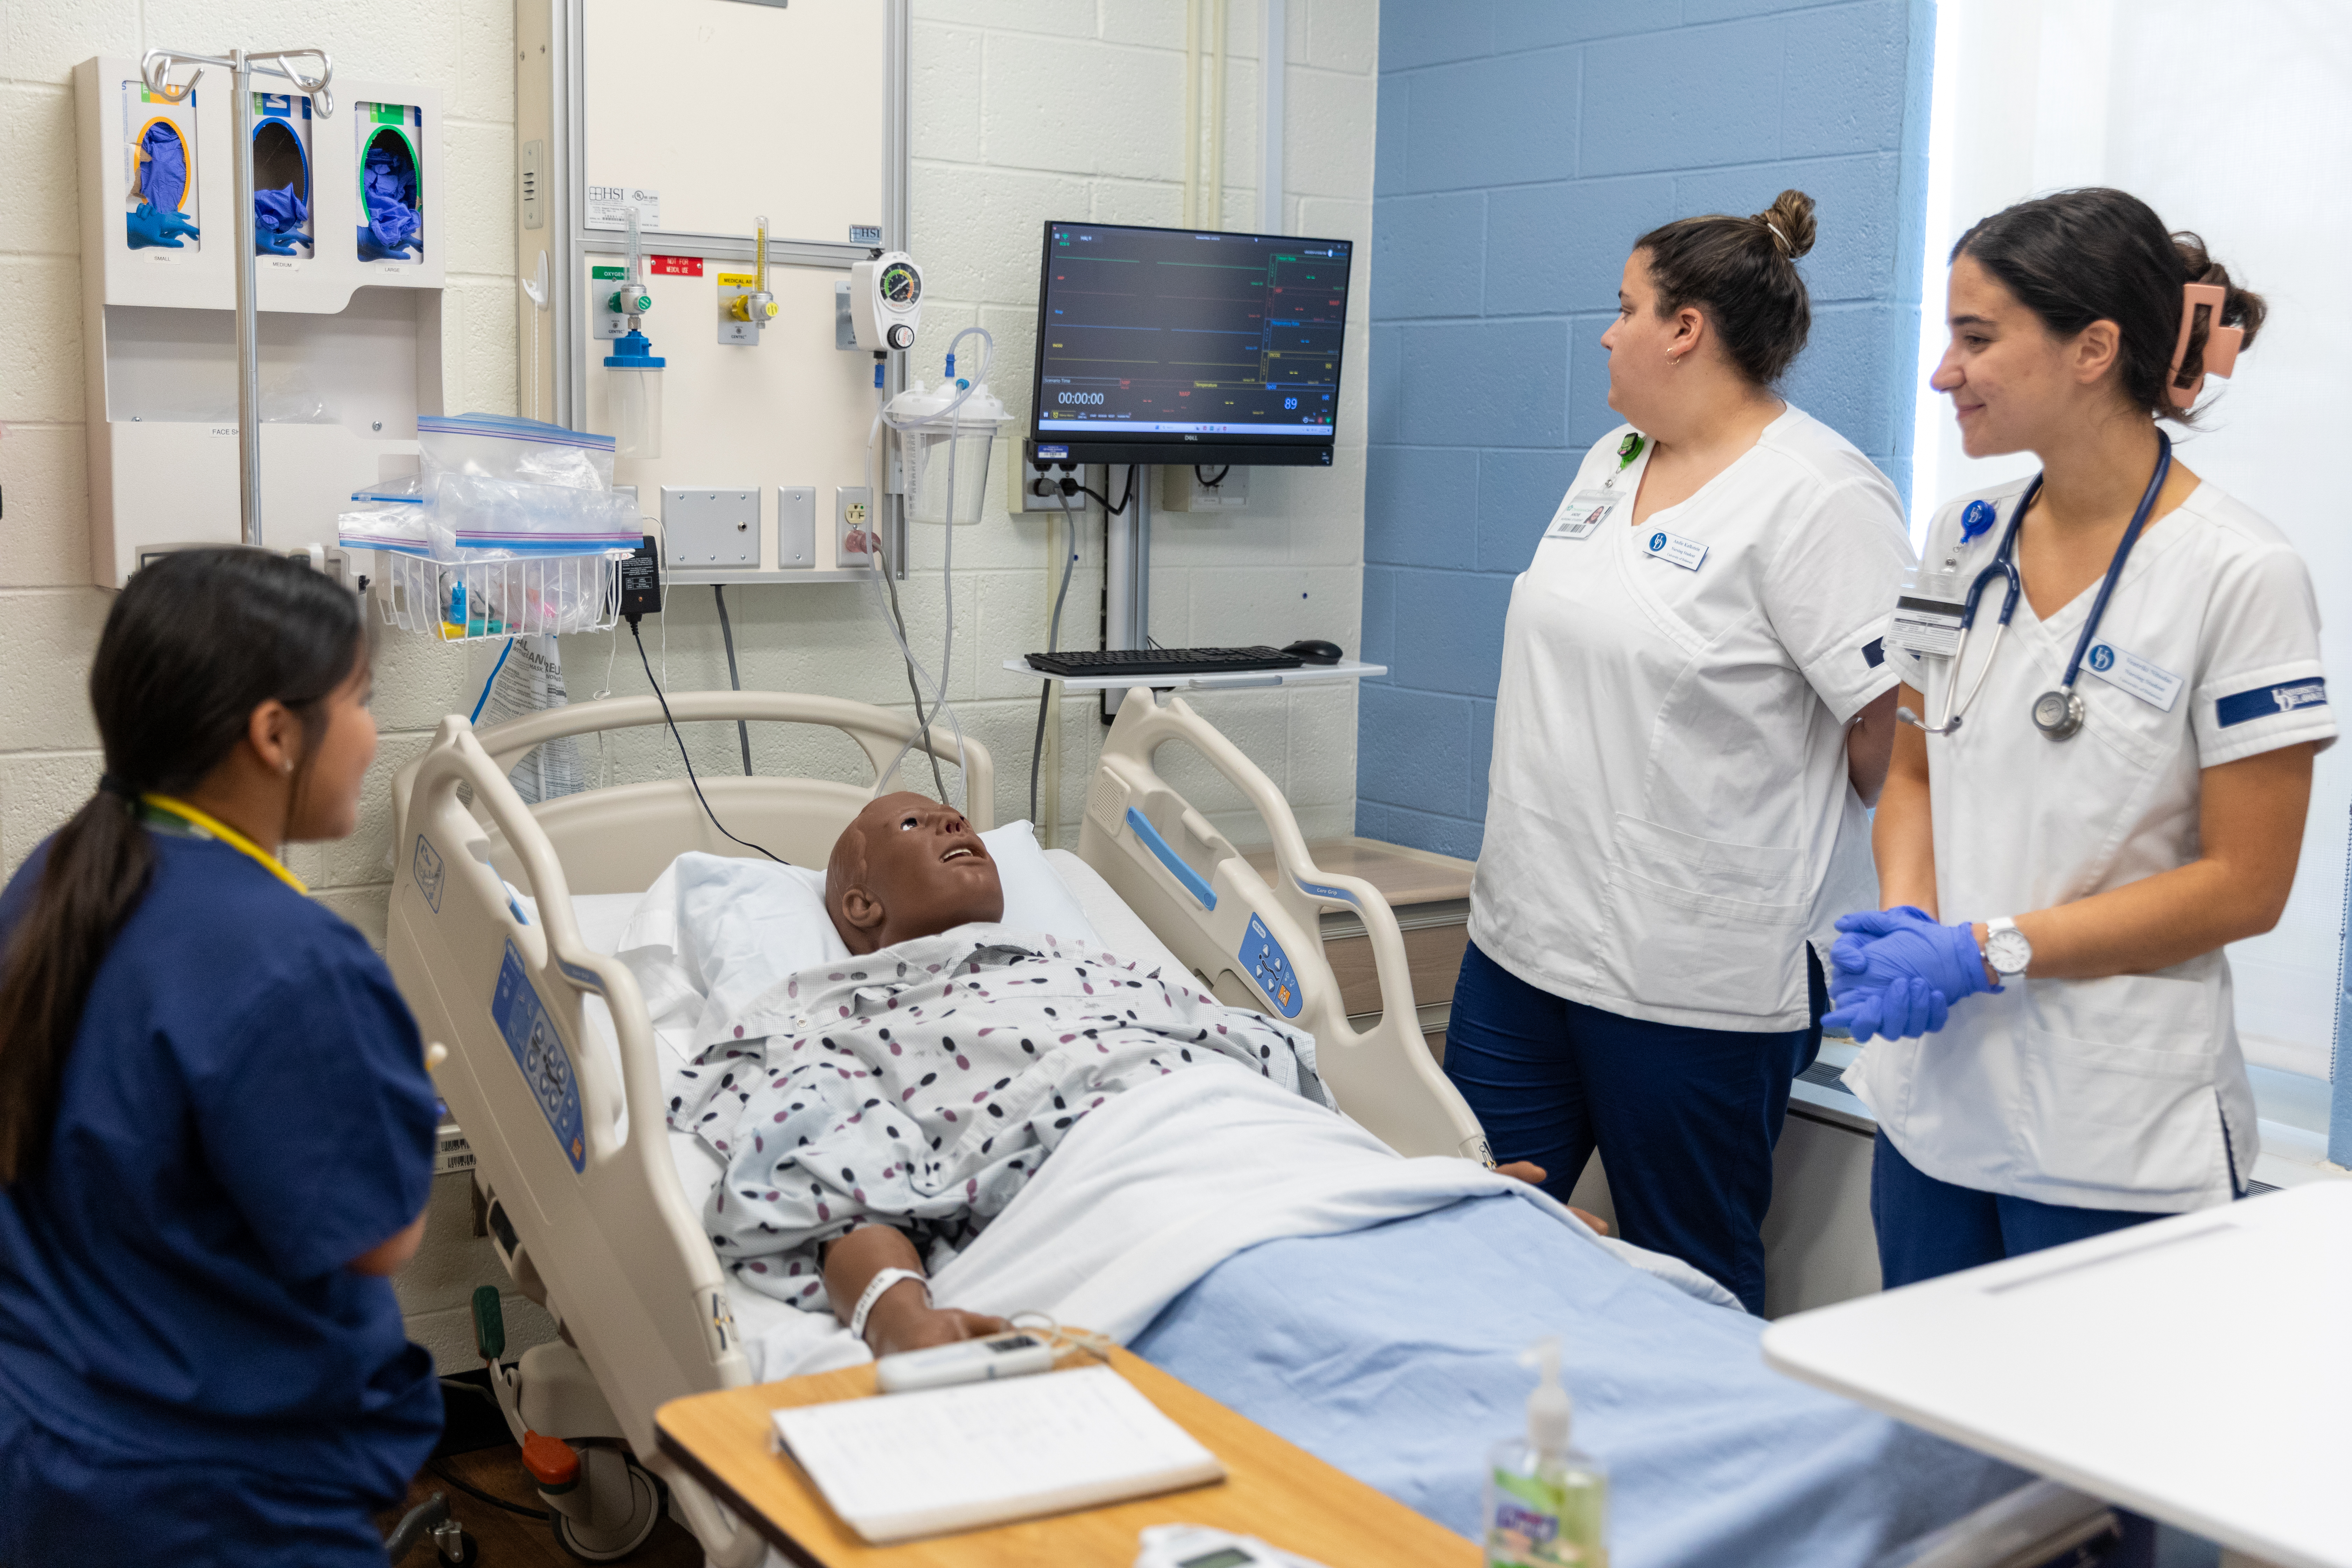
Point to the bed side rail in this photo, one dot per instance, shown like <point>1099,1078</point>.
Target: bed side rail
<point>599,1211</point>
<point>1259,943</point>
<point>880,732</point>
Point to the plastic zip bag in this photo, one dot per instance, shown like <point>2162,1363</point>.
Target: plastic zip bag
<point>500,446</point>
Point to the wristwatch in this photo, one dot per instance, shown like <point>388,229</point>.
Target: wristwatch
<point>2007,948</point>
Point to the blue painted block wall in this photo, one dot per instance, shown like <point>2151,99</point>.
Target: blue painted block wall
<point>1523,146</point>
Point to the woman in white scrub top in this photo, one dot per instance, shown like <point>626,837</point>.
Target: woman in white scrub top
<point>2062,1060</point>
<point>1694,710</point>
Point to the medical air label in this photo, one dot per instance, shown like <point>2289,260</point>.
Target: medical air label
<point>2151,683</point>
<point>538,1051</point>
<point>1580,512</point>
<point>1687,553</point>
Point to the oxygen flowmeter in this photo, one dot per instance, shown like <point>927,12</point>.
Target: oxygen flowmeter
<point>633,367</point>
<point>745,305</point>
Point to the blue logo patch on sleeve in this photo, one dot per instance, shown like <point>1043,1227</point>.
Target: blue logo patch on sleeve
<point>2265,701</point>
<point>1874,652</point>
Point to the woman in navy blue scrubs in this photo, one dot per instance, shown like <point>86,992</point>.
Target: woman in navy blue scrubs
<point>216,1126</point>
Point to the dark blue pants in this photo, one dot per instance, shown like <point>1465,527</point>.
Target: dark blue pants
<point>1928,1229</point>
<point>1684,1119</point>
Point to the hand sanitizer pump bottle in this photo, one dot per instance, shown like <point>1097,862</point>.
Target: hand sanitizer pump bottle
<point>1547,1505</point>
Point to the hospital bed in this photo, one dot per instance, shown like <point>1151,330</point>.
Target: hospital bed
<point>498,915</point>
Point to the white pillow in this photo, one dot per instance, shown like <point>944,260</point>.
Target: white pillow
<point>1035,900</point>
<point>715,931</point>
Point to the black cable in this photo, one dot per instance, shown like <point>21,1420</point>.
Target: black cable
<point>882,564</point>
<point>636,636</point>
<point>1206,482</point>
<point>478,1495</point>
<point>1052,644</point>
<point>1126,495</point>
<point>727,629</point>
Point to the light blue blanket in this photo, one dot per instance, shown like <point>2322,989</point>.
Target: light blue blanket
<point>1392,1352</point>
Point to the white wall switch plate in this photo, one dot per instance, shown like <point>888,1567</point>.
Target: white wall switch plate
<point>796,526</point>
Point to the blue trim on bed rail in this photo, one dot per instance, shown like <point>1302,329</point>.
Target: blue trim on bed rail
<point>1169,859</point>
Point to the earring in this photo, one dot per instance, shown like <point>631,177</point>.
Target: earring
<point>290,765</point>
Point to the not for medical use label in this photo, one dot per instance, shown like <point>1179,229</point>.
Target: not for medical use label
<point>1922,624</point>
<point>1580,512</point>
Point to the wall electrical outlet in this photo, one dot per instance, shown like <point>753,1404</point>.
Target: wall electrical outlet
<point>1025,476</point>
<point>853,517</point>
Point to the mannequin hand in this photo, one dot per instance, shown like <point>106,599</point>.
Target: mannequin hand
<point>909,1324</point>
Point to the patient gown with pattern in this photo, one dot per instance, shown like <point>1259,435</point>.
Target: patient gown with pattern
<point>922,1085</point>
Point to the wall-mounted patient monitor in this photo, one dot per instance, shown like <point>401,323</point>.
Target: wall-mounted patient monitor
<point>1170,345</point>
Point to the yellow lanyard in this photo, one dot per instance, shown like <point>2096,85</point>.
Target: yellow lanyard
<point>211,827</point>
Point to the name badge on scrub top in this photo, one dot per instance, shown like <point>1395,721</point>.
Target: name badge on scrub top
<point>2152,684</point>
<point>1687,553</point>
<point>1582,511</point>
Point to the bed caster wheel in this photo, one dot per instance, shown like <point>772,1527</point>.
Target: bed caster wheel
<point>457,1548</point>
<point>623,1502</point>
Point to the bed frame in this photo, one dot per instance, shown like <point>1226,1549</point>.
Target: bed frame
<point>593,1222</point>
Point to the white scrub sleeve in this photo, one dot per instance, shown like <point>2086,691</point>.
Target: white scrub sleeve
<point>2260,685</point>
<point>1830,590</point>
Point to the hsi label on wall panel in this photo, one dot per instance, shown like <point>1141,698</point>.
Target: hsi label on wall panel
<point>606,204</point>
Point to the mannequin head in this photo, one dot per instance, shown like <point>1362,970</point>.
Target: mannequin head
<point>908,866</point>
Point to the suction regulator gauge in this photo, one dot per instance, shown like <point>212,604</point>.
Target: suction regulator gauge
<point>902,284</point>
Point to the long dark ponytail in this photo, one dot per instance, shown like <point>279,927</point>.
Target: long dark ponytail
<point>193,646</point>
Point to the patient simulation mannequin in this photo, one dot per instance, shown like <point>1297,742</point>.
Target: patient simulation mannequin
<point>878,1112</point>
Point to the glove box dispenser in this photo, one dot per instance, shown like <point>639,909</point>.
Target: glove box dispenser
<point>348,280</point>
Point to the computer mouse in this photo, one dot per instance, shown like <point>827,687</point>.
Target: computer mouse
<point>1315,650</point>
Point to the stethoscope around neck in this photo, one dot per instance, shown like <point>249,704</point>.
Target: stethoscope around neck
<point>2057,714</point>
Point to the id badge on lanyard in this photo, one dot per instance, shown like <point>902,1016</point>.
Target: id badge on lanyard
<point>1927,619</point>
<point>1583,512</point>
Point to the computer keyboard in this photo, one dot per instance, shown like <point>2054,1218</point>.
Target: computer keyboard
<point>1080,664</point>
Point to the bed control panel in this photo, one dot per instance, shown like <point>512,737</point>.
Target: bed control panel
<point>1269,970</point>
<point>539,1052</point>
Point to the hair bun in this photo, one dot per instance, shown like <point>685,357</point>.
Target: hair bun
<point>1790,222</point>
<point>2241,308</point>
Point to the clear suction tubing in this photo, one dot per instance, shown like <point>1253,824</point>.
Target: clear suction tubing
<point>944,436</point>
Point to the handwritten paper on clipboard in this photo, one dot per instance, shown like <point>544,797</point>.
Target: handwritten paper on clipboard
<point>900,1465</point>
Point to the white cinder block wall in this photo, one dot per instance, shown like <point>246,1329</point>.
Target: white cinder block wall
<point>1022,110</point>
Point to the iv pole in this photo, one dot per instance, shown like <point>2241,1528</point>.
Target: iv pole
<point>156,70</point>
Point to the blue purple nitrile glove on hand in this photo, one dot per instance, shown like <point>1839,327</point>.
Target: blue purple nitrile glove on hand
<point>1896,972</point>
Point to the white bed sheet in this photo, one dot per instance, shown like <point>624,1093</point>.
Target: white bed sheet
<point>779,1339</point>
